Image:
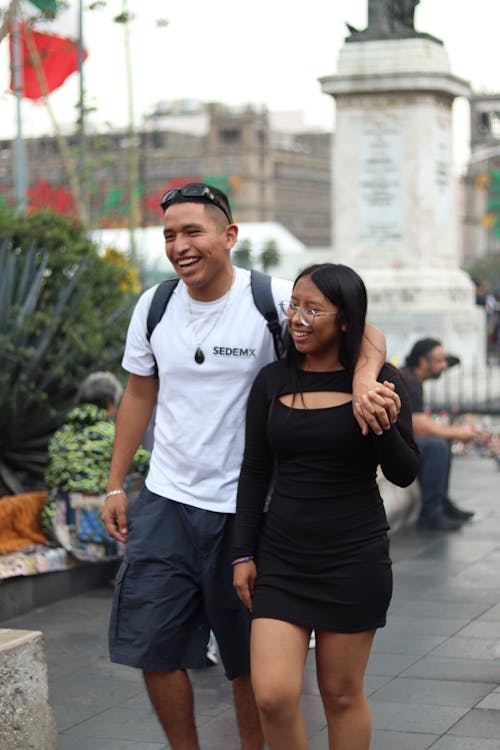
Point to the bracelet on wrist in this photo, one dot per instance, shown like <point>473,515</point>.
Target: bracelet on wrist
<point>238,560</point>
<point>114,492</point>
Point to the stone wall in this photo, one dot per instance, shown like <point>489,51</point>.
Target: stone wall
<point>26,719</point>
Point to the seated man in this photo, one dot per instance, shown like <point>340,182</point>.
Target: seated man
<point>427,359</point>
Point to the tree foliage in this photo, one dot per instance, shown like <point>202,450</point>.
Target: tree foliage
<point>270,256</point>
<point>63,313</point>
<point>67,245</point>
<point>242,254</point>
<point>486,271</point>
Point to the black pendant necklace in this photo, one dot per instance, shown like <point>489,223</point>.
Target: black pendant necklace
<point>199,356</point>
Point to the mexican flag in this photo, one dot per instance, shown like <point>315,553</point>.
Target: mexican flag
<point>47,6</point>
<point>49,52</point>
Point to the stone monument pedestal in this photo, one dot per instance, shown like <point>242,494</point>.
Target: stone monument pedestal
<point>394,211</point>
<point>410,304</point>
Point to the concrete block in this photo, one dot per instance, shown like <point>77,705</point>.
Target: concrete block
<point>26,718</point>
<point>402,504</point>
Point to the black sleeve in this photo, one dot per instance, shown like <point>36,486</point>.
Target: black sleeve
<point>396,449</point>
<point>256,471</point>
<point>414,390</point>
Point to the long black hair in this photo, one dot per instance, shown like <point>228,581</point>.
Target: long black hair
<point>345,289</point>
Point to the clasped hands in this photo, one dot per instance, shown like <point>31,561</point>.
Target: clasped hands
<point>375,405</point>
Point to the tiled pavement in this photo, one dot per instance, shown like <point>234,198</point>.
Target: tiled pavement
<point>433,679</point>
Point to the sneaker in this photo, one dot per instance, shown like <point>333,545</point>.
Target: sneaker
<point>211,654</point>
<point>453,511</point>
<point>438,522</point>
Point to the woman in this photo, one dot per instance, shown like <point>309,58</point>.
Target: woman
<point>320,559</point>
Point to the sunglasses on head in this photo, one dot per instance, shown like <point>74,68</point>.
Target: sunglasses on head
<point>202,192</point>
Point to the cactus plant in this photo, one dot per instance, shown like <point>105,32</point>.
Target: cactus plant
<point>55,328</point>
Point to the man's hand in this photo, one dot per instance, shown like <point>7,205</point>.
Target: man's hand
<point>375,405</point>
<point>244,575</point>
<point>114,517</point>
<point>465,432</point>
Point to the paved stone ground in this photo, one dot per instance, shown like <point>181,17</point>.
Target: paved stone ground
<point>433,679</point>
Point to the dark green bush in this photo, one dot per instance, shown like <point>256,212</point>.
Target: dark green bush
<point>63,313</point>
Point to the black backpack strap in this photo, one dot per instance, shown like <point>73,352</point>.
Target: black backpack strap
<point>159,304</point>
<point>264,302</point>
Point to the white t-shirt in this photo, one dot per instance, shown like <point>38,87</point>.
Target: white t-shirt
<point>200,417</point>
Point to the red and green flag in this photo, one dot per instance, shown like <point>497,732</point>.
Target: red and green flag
<point>49,7</point>
<point>56,52</point>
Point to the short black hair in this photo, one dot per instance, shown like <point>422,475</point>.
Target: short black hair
<point>198,192</point>
<point>421,348</point>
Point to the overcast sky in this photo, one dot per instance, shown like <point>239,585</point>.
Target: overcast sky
<point>268,52</point>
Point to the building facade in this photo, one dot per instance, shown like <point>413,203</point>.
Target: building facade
<point>481,229</point>
<point>270,174</point>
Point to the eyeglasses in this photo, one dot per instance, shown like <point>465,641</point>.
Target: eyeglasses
<point>194,191</point>
<point>307,315</point>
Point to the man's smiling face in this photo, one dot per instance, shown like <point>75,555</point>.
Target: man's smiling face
<point>198,241</point>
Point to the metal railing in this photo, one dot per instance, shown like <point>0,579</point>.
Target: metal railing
<point>462,389</point>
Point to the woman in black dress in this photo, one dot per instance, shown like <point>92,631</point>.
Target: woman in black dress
<point>319,558</point>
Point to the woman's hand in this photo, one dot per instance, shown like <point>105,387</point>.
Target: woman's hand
<point>244,575</point>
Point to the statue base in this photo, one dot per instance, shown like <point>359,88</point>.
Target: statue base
<point>413,304</point>
<point>394,194</point>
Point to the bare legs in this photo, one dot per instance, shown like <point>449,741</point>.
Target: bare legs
<point>171,695</point>
<point>278,654</point>
<point>247,714</point>
<point>341,660</point>
<point>279,651</point>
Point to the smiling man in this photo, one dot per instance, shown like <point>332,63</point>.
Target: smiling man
<point>175,583</point>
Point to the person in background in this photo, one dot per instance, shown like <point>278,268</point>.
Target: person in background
<point>319,558</point>
<point>175,584</point>
<point>79,457</point>
<point>428,360</point>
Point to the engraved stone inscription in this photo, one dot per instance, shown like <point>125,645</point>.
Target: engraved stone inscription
<point>380,184</point>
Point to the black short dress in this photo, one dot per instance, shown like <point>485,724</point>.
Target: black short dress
<point>321,549</point>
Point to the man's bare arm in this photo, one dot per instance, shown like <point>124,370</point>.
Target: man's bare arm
<point>424,426</point>
<point>375,404</point>
<point>133,418</point>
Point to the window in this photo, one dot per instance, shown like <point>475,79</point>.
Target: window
<point>230,135</point>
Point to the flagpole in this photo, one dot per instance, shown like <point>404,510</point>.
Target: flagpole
<point>8,15</point>
<point>20,169</point>
<point>82,133</point>
<point>70,166</point>
<point>133,167</point>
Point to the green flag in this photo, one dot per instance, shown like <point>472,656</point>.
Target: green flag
<point>49,7</point>
<point>494,204</point>
<point>495,181</point>
<point>495,230</point>
<point>112,200</point>
<point>221,181</point>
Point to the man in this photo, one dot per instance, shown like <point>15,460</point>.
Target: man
<point>176,580</point>
<point>427,360</point>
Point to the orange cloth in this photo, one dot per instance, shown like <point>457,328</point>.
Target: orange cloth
<point>20,521</point>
